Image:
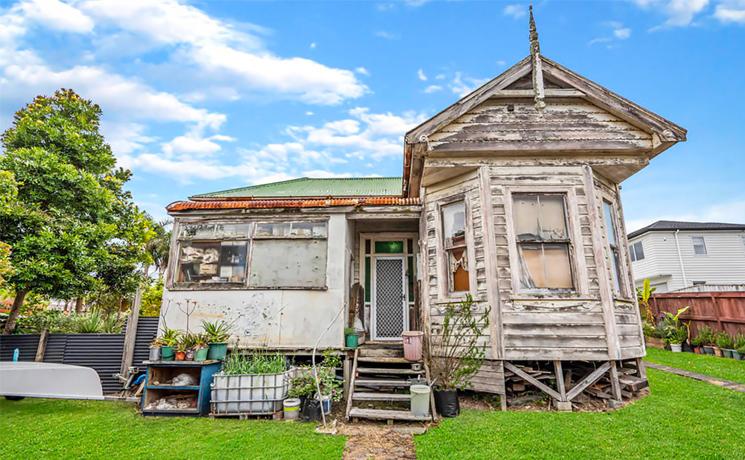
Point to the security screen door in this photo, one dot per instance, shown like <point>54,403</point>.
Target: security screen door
<point>389,298</point>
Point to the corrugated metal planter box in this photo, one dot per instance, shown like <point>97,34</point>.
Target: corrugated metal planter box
<point>252,394</point>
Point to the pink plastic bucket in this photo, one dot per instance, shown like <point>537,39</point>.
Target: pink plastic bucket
<point>413,345</point>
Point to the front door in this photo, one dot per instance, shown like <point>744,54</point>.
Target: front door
<point>389,312</point>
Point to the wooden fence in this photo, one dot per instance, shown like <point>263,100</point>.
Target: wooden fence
<point>721,311</point>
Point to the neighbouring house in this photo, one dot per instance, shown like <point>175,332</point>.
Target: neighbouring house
<point>688,255</point>
<point>510,195</point>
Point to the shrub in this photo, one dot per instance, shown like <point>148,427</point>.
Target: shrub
<point>706,335</point>
<point>258,363</point>
<point>723,340</point>
<point>217,331</point>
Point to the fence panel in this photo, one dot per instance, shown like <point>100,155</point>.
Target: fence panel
<point>26,344</point>
<point>723,311</point>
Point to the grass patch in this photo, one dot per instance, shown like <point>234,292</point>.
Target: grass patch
<point>682,418</point>
<point>723,368</point>
<point>38,428</point>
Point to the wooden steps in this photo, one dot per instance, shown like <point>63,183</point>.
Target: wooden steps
<point>388,370</point>
<point>377,396</point>
<point>384,414</point>
<point>382,382</point>
<point>383,360</point>
<point>379,387</point>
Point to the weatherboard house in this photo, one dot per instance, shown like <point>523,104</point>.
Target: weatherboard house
<point>510,195</point>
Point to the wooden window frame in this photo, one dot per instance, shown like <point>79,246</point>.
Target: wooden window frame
<point>624,260</point>
<point>445,294</point>
<point>177,241</point>
<point>576,246</point>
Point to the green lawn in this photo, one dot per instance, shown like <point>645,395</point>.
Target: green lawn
<point>723,368</point>
<point>37,428</point>
<point>681,419</point>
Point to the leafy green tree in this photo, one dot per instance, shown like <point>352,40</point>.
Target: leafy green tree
<point>70,224</point>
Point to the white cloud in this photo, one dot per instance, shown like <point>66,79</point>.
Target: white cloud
<point>462,85</point>
<point>313,45</point>
<point>386,35</point>
<point>679,13</point>
<point>501,63</point>
<point>362,71</point>
<point>515,10</point>
<point>731,12</point>
<point>309,150</point>
<point>415,3</point>
<point>622,33</point>
<point>617,32</point>
<point>226,51</point>
<point>57,15</point>
<point>432,89</point>
<point>728,212</point>
<point>421,75</point>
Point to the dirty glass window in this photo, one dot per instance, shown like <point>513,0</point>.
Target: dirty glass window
<point>542,239</point>
<point>289,255</point>
<point>212,253</point>
<point>612,235</point>
<point>456,249</point>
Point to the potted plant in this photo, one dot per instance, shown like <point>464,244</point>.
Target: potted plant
<point>739,346</point>
<point>168,341</point>
<point>189,341</point>
<point>697,344</point>
<point>724,344</point>
<point>217,333</point>
<point>303,383</point>
<point>706,334</point>
<point>155,349</point>
<point>201,347</point>
<point>350,337</point>
<point>652,336</point>
<point>675,331</point>
<point>181,347</point>
<point>456,353</point>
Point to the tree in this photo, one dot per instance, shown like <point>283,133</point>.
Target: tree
<point>70,224</point>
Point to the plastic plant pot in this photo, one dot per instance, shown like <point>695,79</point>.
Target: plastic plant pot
<point>166,353</point>
<point>217,351</point>
<point>154,354</point>
<point>676,347</point>
<point>708,350</point>
<point>180,356</point>
<point>200,354</point>
<point>352,340</point>
<point>447,403</point>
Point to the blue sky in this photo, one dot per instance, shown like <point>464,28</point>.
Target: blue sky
<point>201,96</point>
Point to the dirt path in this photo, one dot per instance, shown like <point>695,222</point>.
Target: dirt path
<point>379,442</point>
<point>702,377</point>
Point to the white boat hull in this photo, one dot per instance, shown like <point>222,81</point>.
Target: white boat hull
<point>49,380</point>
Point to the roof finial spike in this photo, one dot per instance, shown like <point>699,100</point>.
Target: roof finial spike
<point>535,55</point>
<point>535,46</point>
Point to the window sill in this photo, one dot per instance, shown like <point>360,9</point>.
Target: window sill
<point>529,296</point>
<point>458,299</point>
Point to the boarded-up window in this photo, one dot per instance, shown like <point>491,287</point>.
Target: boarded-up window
<point>289,255</point>
<point>212,253</point>
<point>454,231</point>
<point>612,235</point>
<point>543,242</point>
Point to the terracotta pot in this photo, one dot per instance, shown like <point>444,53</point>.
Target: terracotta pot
<point>180,355</point>
<point>697,350</point>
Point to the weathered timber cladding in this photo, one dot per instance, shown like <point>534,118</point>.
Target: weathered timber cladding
<point>565,121</point>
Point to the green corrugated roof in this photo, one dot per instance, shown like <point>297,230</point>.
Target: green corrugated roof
<point>307,187</point>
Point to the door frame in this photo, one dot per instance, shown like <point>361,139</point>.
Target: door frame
<point>374,296</point>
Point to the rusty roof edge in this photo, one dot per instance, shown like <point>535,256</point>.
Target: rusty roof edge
<point>292,203</point>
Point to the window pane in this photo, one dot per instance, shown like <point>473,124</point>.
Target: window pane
<point>214,231</point>
<point>454,223</point>
<point>552,217</point>
<point>699,247</point>
<point>291,229</point>
<point>545,266</point>
<point>288,263</point>
<point>389,247</point>
<point>539,217</point>
<point>458,261</point>
<point>525,210</point>
<point>213,262</point>
<point>412,277</point>
<point>367,278</point>
<point>615,268</point>
<point>638,250</point>
<point>279,229</point>
<point>610,226</point>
